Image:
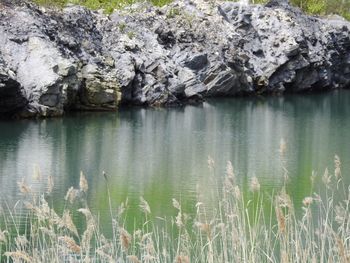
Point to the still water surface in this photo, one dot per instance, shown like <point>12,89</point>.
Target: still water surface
<point>162,153</point>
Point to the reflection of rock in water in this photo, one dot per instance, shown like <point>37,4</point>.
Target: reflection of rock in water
<point>162,153</point>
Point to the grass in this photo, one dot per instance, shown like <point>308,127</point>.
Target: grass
<point>316,7</point>
<point>321,7</point>
<point>244,226</point>
<point>107,5</point>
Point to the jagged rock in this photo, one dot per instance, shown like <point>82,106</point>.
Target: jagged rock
<point>56,60</point>
<point>98,91</point>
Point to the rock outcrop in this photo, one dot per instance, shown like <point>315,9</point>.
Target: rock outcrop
<point>57,60</point>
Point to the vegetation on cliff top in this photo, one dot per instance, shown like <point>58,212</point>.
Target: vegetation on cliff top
<point>319,7</point>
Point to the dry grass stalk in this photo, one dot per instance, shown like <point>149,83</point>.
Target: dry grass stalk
<point>88,216</point>
<point>211,163</point>
<point>87,236</point>
<point>3,236</point>
<point>178,220</point>
<point>205,228</point>
<point>19,256</point>
<point>148,258</point>
<point>230,172</point>
<point>233,239</point>
<point>36,172</point>
<point>50,232</point>
<point>104,255</point>
<point>70,244</point>
<point>237,193</point>
<point>50,184</point>
<point>341,249</point>
<point>284,199</point>
<point>44,212</point>
<point>125,238</point>
<point>283,146</point>
<point>284,257</point>
<point>149,247</point>
<point>281,220</point>
<point>122,208</point>
<point>105,175</point>
<point>133,259</point>
<point>23,187</point>
<point>341,214</point>
<point>254,184</point>
<point>326,178</point>
<point>176,204</point>
<point>71,195</point>
<point>182,259</point>
<point>229,183</point>
<point>67,222</point>
<point>21,242</point>
<point>83,184</point>
<point>307,201</point>
<point>337,163</point>
<point>144,206</point>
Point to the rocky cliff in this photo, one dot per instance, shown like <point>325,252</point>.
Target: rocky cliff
<point>52,60</point>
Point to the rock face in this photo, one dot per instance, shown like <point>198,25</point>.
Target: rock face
<point>57,60</point>
<point>12,97</point>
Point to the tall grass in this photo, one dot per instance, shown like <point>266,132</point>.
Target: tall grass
<point>238,228</point>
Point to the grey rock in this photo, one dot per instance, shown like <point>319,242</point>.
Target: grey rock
<point>197,62</point>
<point>52,61</point>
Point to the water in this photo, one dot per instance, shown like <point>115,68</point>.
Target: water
<point>162,153</point>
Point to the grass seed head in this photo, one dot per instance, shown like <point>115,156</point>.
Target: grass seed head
<point>211,163</point>
<point>71,195</point>
<point>133,259</point>
<point>307,201</point>
<point>229,171</point>
<point>50,184</point>
<point>83,184</point>
<point>125,238</point>
<point>19,256</point>
<point>68,222</point>
<point>182,259</point>
<point>3,236</point>
<point>283,146</point>
<point>254,184</point>
<point>23,187</point>
<point>70,244</point>
<point>176,204</point>
<point>144,206</point>
<point>36,173</point>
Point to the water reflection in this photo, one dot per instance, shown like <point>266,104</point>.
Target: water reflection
<point>162,153</point>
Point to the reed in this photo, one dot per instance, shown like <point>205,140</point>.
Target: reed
<point>238,229</point>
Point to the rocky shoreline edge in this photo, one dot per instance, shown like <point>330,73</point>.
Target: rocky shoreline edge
<point>57,60</point>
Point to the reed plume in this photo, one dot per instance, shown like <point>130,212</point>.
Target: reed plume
<point>254,184</point>
<point>83,184</point>
<point>50,184</point>
<point>144,206</point>
<point>125,238</point>
<point>70,244</point>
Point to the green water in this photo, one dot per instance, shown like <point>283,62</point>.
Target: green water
<point>162,154</point>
